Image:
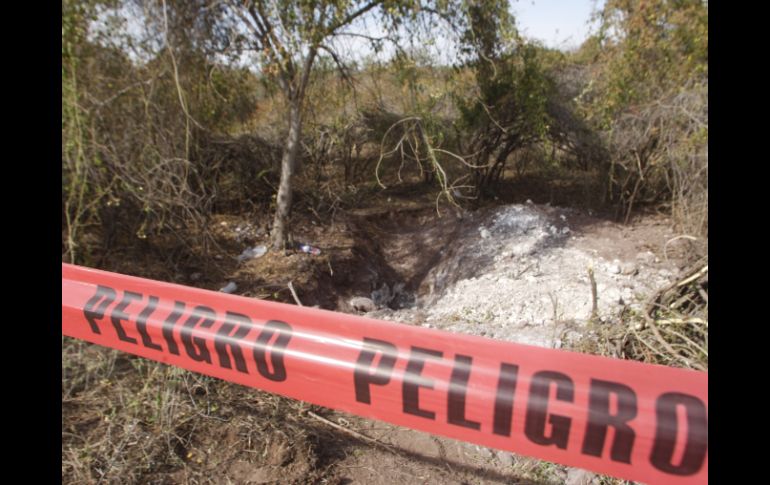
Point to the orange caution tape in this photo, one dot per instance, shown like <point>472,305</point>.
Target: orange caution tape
<point>636,421</point>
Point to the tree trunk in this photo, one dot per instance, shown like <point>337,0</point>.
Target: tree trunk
<point>288,164</point>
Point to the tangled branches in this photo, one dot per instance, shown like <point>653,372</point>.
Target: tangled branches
<point>659,152</point>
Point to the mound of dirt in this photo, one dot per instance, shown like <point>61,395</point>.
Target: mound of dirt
<point>521,273</point>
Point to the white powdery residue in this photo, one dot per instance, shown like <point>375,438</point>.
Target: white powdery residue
<point>516,220</point>
<point>523,282</point>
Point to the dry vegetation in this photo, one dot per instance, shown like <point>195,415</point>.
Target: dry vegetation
<point>155,152</point>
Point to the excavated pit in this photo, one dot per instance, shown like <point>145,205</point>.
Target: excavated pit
<point>516,272</point>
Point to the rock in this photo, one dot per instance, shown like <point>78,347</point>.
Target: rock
<point>485,233</point>
<point>382,297</point>
<point>229,288</point>
<point>252,253</point>
<point>646,257</point>
<point>362,304</point>
<point>559,475</point>
<point>576,476</point>
<point>506,458</point>
<point>195,276</point>
<point>614,268</point>
<point>629,268</point>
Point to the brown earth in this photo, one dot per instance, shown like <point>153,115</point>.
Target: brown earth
<point>128,420</point>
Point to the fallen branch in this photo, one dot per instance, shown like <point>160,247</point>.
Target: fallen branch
<point>294,294</point>
<point>351,432</point>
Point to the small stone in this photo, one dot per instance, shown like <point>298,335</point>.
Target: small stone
<point>485,234</point>
<point>646,257</point>
<point>559,475</point>
<point>195,276</point>
<point>529,201</point>
<point>362,304</point>
<point>252,253</point>
<point>229,288</point>
<point>506,458</point>
<point>629,269</point>
<point>576,476</point>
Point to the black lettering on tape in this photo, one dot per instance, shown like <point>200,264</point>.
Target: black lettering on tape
<point>506,388</point>
<point>413,381</point>
<point>196,346</point>
<point>169,324</point>
<point>107,295</point>
<point>600,419</point>
<point>141,323</point>
<point>118,315</point>
<point>362,378</point>
<point>537,409</point>
<point>224,339</point>
<point>696,444</point>
<point>284,331</point>
<point>458,387</point>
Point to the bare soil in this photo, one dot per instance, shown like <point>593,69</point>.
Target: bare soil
<point>128,420</point>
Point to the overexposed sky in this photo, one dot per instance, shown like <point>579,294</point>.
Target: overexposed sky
<point>561,24</point>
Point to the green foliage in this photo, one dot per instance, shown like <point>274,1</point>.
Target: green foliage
<point>650,47</point>
<point>650,98</point>
<point>78,167</point>
<point>508,109</point>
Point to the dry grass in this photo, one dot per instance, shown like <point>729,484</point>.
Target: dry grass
<point>130,420</point>
<point>672,329</point>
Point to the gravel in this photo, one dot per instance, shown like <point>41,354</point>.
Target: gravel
<point>519,276</point>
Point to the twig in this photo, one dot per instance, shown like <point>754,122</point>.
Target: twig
<point>694,277</point>
<point>653,303</point>
<point>294,294</point>
<point>594,297</point>
<point>683,236</point>
<point>672,353</point>
<point>682,321</point>
<point>352,432</point>
<point>523,271</point>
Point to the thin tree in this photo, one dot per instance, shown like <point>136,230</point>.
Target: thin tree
<point>289,36</point>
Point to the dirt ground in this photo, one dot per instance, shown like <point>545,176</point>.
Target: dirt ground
<point>128,420</point>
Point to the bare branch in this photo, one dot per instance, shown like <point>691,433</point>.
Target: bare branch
<point>350,18</point>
